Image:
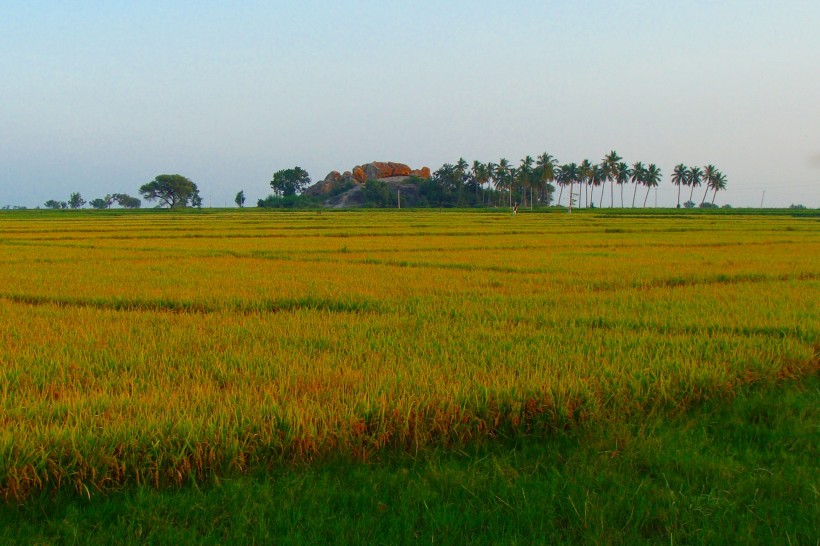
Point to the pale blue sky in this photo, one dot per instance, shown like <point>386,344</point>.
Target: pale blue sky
<point>99,97</point>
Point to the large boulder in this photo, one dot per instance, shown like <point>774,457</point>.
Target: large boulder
<point>331,181</point>
<point>376,170</point>
<point>380,169</point>
<point>424,173</point>
<point>359,175</point>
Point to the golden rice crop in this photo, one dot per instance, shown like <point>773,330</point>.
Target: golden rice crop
<point>161,347</point>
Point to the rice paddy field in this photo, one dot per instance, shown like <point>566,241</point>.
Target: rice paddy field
<point>166,348</point>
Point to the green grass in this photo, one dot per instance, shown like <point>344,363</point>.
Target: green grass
<point>739,471</point>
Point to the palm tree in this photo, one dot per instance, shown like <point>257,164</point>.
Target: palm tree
<point>525,176</point>
<point>599,179</point>
<point>512,176</point>
<point>501,172</point>
<point>638,175</point>
<point>622,175</point>
<point>709,173</point>
<point>610,164</point>
<point>652,178</point>
<point>719,184</point>
<point>461,170</point>
<point>570,174</point>
<point>695,179</point>
<point>546,169</point>
<point>491,175</point>
<point>585,176</point>
<point>679,177</point>
<point>479,173</point>
<point>561,179</point>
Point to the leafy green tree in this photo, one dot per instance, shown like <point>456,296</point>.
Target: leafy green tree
<point>55,205</point>
<point>447,176</point>
<point>376,193</point>
<point>102,202</point>
<point>240,199</point>
<point>652,178</point>
<point>171,190</point>
<point>290,181</point>
<point>76,201</point>
<point>126,201</point>
<point>679,177</point>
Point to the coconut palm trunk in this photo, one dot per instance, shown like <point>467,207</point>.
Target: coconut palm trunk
<point>702,201</point>
<point>634,194</point>
<point>648,189</point>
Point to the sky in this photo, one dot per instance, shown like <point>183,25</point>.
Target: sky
<point>100,97</point>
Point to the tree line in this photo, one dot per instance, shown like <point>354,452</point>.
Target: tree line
<point>529,183</point>
<point>171,190</point>
<point>532,181</point>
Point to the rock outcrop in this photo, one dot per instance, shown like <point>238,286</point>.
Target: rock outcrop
<point>377,170</point>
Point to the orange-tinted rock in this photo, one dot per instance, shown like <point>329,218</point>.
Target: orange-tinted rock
<point>380,169</point>
<point>359,175</point>
<point>424,173</point>
<point>399,169</point>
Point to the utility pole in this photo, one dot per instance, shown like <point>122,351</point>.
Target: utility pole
<point>398,193</point>
<point>761,198</point>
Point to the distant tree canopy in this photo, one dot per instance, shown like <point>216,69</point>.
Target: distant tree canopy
<point>240,199</point>
<point>55,205</point>
<point>126,201</point>
<point>123,200</point>
<point>76,201</point>
<point>172,190</point>
<point>101,203</point>
<point>289,182</point>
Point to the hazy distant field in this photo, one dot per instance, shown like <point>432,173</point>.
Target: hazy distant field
<point>160,347</point>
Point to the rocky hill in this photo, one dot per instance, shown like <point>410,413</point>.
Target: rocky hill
<point>358,175</point>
